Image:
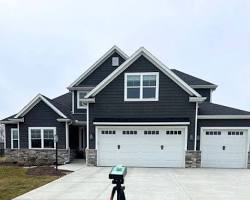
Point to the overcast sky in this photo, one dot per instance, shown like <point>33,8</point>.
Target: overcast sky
<point>46,44</point>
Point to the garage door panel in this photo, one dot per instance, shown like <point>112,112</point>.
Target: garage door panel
<point>227,150</point>
<point>143,149</point>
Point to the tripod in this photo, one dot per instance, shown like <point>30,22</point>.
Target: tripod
<point>119,189</point>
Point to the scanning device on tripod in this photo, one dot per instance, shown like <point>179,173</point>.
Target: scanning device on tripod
<point>117,175</point>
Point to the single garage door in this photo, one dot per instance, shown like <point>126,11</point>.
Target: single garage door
<point>224,148</point>
<point>141,146</point>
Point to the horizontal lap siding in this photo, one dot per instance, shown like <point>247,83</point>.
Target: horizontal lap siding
<point>41,116</point>
<point>97,76</point>
<point>8,128</point>
<point>221,123</point>
<point>173,101</point>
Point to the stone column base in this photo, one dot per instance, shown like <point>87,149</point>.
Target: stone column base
<point>30,157</point>
<point>193,159</point>
<point>91,157</point>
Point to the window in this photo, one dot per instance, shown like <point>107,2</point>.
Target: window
<point>173,132</point>
<point>153,132</point>
<point>115,61</point>
<point>108,132</point>
<point>213,132</point>
<point>14,138</point>
<point>141,86</point>
<point>129,132</point>
<point>41,138</point>
<point>80,99</point>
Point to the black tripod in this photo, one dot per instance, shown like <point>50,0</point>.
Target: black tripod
<point>119,189</point>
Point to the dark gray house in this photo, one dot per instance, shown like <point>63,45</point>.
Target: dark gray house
<point>134,111</point>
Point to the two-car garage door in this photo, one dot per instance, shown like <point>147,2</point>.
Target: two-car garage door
<point>141,146</point>
<point>224,148</point>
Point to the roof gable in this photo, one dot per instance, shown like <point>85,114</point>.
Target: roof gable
<point>92,68</point>
<point>143,52</point>
<point>34,102</point>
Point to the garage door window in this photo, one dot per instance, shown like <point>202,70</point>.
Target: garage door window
<point>213,132</point>
<point>173,132</point>
<point>151,132</point>
<point>235,133</point>
<point>108,132</point>
<point>129,132</point>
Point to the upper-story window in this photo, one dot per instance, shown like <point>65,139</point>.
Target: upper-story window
<point>141,86</point>
<point>80,99</point>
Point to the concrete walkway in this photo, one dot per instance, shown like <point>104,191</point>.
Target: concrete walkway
<point>92,183</point>
<point>74,165</point>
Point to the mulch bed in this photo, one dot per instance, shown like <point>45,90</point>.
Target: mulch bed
<point>46,171</point>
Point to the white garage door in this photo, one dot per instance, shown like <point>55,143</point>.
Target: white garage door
<point>141,146</point>
<point>224,148</point>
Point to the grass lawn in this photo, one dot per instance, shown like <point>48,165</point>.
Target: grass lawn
<point>14,182</point>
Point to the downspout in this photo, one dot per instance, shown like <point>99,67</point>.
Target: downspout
<point>195,126</point>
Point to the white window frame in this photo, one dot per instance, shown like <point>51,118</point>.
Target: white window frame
<point>78,100</point>
<point>18,144</point>
<point>42,136</point>
<point>141,74</point>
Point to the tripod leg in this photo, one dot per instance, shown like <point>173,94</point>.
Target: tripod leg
<point>113,193</point>
<point>123,194</point>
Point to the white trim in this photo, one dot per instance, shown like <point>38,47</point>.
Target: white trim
<point>151,58</point>
<point>73,101</point>
<point>98,63</point>
<point>63,120</point>
<point>36,100</point>
<point>202,129</point>
<point>17,120</point>
<point>204,86</point>
<point>8,122</point>
<point>223,116</point>
<point>18,144</point>
<point>197,99</point>
<point>185,128</point>
<point>67,135</point>
<point>195,126</point>
<point>211,91</point>
<point>141,74</point>
<point>87,127</point>
<point>42,136</point>
<point>4,137</point>
<point>78,99</point>
<point>141,123</point>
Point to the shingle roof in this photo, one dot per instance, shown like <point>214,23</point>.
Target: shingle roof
<point>7,118</point>
<point>191,80</point>
<point>208,108</point>
<point>62,103</point>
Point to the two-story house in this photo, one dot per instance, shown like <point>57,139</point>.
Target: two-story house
<point>132,110</point>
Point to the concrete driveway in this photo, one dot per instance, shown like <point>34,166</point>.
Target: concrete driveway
<point>91,183</point>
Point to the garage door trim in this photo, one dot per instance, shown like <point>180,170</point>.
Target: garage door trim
<point>185,128</point>
<point>202,129</point>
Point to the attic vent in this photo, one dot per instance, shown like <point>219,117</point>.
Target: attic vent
<point>115,61</point>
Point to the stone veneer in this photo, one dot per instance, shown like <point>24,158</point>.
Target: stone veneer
<point>193,159</point>
<point>37,157</point>
<point>91,159</point>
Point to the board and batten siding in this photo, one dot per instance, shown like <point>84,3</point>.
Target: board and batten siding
<point>41,115</point>
<point>173,102</point>
<point>220,123</point>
